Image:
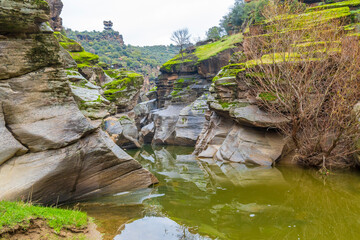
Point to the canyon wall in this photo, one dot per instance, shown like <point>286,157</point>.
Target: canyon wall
<point>50,152</point>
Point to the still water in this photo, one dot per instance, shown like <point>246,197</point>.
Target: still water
<point>199,199</point>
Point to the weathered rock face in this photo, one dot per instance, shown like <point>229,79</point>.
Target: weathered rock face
<point>190,123</point>
<point>91,166</point>
<point>124,90</point>
<point>88,96</point>
<point>225,140</point>
<point>188,76</point>
<point>56,7</point>
<point>182,90</point>
<point>9,146</point>
<point>52,152</point>
<point>165,122</point>
<point>229,97</point>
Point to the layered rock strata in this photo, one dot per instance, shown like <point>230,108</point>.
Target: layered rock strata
<point>56,7</point>
<point>54,153</point>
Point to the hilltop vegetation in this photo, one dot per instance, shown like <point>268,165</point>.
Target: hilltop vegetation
<point>111,50</point>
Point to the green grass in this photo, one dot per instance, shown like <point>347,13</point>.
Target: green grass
<point>13,213</point>
<point>203,52</point>
<point>212,49</point>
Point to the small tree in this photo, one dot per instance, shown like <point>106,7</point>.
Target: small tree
<point>181,38</point>
<point>305,69</point>
<point>214,33</point>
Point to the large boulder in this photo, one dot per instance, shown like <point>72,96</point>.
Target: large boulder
<point>225,140</point>
<point>142,112</point>
<point>251,146</point>
<point>147,133</point>
<point>165,122</point>
<point>191,122</point>
<point>53,153</point>
<point>92,166</point>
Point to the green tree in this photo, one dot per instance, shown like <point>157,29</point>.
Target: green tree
<point>214,33</point>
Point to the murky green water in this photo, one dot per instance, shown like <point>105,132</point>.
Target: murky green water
<point>212,200</point>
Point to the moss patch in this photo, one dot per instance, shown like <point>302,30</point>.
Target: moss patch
<point>124,83</point>
<point>84,58</point>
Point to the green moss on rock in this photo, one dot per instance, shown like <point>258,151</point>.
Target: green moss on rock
<point>84,58</point>
<point>123,85</point>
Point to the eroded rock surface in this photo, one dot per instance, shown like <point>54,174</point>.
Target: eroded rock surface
<point>190,123</point>
<point>56,7</point>
<point>225,140</point>
<point>55,153</point>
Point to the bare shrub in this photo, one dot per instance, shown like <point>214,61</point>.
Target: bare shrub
<point>305,68</point>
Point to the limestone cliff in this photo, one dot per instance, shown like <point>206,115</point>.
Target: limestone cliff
<point>49,152</point>
<point>181,93</point>
<point>55,21</point>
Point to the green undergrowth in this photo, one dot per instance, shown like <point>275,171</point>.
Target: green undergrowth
<point>19,213</point>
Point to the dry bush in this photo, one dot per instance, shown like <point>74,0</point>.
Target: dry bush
<point>307,70</point>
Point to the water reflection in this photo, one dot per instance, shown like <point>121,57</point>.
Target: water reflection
<point>157,228</point>
<point>208,199</point>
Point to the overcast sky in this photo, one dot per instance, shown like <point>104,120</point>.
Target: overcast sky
<point>145,22</point>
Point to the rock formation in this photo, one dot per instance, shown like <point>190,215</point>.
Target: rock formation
<point>237,129</point>
<point>182,92</point>
<point>188,75</point>
<point>55,21</point>
<point>53,154</point>
<point>108,25</point>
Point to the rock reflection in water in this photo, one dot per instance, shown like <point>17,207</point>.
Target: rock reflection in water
<point>210,199</point>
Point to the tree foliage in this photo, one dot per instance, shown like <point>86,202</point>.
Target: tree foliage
<point>241,13</point>
<point>145,60</point>
<point>214,33</point>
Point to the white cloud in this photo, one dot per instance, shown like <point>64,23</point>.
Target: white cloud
<point>145,22</point>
